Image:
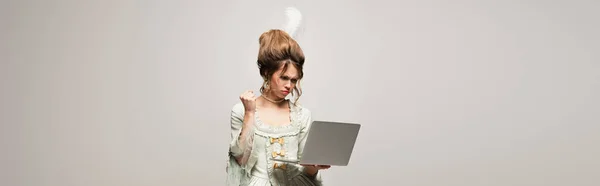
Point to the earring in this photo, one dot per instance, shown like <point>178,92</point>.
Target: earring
<point>266,85</point>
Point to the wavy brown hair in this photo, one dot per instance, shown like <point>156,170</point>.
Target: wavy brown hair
<point>277,48</point>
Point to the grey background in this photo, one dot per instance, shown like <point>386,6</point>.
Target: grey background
<point>138,93</point>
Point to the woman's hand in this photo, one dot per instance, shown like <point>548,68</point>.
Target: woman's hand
<point>249,101</point>
<point>313,169</point>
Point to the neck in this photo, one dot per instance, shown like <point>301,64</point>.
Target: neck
<point>272,100</point>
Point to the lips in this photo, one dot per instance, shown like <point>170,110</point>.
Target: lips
<point>285,92</point>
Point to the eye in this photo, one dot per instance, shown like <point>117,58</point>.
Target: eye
<point>285,78</point>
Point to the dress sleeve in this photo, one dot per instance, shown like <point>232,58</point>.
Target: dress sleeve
<point>241,160</point>
<point>307,120</point>
<point>241,149</point>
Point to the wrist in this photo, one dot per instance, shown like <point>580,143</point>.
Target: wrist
<point>249,115</point>
<point>248,119</point>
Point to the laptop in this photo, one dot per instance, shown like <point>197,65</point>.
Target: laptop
<point>328,143</point>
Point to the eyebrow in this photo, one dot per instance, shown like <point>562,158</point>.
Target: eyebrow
<point>289,77</point>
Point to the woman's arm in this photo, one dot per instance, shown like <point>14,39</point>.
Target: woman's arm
<point>242,127</point>
<point>246,138</point>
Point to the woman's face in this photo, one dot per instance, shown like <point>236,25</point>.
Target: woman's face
<point>282,83</point>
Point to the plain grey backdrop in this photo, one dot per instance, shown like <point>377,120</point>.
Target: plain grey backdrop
<point>450,93</point>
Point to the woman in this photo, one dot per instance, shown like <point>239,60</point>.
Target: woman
<point>272,126</point>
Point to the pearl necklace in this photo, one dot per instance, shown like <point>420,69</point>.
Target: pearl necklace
<point>272,101</point>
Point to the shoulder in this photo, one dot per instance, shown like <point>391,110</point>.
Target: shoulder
<point>303,112</point>
<point>237,109</point>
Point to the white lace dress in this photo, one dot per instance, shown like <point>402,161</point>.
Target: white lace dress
<point>265,142</point>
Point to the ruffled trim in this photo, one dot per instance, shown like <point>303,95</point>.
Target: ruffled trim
<point>234,172</point>
<point>238,175</point>
<point>282,130</point>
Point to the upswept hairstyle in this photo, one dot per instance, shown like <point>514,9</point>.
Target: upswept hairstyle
<point>277,48</point>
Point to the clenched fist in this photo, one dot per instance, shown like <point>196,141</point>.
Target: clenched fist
<point>249,101</point>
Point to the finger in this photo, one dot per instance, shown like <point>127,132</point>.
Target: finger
<point>244,95</point>
<point>247,95</point>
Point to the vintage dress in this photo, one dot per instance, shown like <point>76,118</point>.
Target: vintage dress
<point>265,142</point>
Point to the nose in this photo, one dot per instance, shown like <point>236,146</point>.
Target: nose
<point>287,85</point>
